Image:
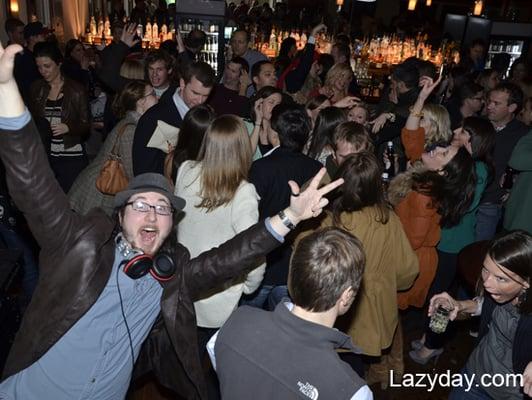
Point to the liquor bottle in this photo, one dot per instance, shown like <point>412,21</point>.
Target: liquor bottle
<point>93,29</point>
<point>303,39</point>
<point>155,30</point>
<point>107,27</point>
<point>171,27</point>
<point>140,31</point>
<point>508,181</point>
<point>88,34</point>
<point>273,41</point>
<point>253,39</point>
<point>385,181</point>
<point>164,32</point>
<point>389,164</point>
<point>148,31</point>
<point>100,27</point>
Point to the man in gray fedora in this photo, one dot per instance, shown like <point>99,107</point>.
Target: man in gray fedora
<point>114,293</point>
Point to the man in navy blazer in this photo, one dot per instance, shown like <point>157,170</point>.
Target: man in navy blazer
<point>269,174</point>
<point>194,89</point>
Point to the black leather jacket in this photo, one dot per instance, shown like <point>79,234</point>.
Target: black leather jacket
<point>74,113</point>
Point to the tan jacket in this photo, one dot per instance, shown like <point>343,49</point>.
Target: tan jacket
<point>391,265</point>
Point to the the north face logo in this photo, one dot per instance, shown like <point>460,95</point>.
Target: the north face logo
<point>308,390</point>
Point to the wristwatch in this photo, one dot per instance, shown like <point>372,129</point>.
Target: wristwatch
<point>286,221</point>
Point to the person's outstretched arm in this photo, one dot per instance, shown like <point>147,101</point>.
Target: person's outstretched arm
<point>31,183</point>
<point>238,255</point>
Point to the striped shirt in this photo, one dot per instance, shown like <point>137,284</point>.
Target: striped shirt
<point>52,112</point>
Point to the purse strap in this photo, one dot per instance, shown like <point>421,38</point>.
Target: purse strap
<point>116,145</point>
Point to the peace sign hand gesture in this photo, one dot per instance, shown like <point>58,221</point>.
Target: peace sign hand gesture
<point>310,202</point>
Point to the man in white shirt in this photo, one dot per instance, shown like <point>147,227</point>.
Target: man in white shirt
<point>194,88</point>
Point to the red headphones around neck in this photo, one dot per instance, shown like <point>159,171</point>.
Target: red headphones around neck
<point>161,267</point>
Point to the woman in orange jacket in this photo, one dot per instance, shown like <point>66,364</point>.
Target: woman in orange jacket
<point>434,193</point>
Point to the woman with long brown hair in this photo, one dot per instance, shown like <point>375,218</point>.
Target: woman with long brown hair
<point>60,108</point>
<point>220,203</point>
<point>359,207</point>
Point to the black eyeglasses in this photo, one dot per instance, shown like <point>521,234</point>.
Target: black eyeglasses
<point>141,206</point>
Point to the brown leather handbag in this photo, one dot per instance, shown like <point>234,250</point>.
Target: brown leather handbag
<point>112,178</point>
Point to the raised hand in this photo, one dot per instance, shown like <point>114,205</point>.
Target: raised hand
<point>244,82</point>
<point>310,202</point>
<point>179,39</point>
<point>128,35</point>
<point>347,102</point>
<point>317,29</point>
<point>326,91</point>
<point>443,299</point>
<point>427,86</point>
<point>11,104</point>
<point>7,61</point>
<point>258,111</point>
<point>527,380</point>
<point>379,122</point>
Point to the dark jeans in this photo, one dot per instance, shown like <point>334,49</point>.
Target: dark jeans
<point>67,169</point>
<point>488,216</point>
<point>211,379</point>
<point>266,297</point>
<point>30,269</point>
<point>445,274</point>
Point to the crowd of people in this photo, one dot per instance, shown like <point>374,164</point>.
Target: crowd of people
<point>199,263</point>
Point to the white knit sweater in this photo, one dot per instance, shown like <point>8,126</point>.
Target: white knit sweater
<point>200,231</point>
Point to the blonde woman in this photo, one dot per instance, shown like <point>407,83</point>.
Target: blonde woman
<point>337,81</point>
<point>220,203</point>
<point>427,126</point>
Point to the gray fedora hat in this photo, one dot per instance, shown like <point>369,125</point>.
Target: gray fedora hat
<point>148,182</point>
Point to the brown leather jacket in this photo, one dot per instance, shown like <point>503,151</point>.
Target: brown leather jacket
<point>74,113</point>
<point>76,260</point>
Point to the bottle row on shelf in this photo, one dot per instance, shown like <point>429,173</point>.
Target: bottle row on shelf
<point>211,59</point>
<point>99,32</point>
<point>380,51</point>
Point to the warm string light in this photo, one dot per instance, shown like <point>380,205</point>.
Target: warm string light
<point>412,5</point>
<point>477,10</point>
<point>429,3</point>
